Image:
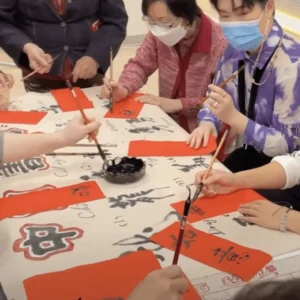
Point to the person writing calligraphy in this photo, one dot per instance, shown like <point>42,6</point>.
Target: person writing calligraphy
<point>14,147</point>
<point>62,39</point>
<point>278,181</point>
<point>261,105</point>
<point>185,46</point>
<point>6,83</point>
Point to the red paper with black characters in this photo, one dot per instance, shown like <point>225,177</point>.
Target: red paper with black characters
<point>213,251</point>
<point>126,109</point>
<point>66,101</point>
<point>46,200</point>
<point>158,148</point>
<point>208,207</point>
<point>21,117</point>
<point>113,279</point>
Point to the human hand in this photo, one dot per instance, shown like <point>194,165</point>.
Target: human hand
<point>38,58</point>
<point>221,104</point>
<point>218,182</point>
<point>85,68</point>
<point>165,284</point>
<point>6,80</point>
<point>119,92</point>
<point>200,135</point>
<point>77,130</point>
<point>262,213</point>
<point>169,106</point>
<point>4,97</point>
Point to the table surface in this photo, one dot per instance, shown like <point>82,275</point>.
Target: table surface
<point>126,211</point>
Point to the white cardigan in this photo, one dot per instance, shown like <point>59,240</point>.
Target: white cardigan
<point>291,166</point>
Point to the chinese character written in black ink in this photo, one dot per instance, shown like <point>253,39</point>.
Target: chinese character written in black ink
<point>197,162</point>
<point>188,238</point>
<point>125,200</point>
<point>83,191</point>
<point>230,255</point>
<point>212,228</point>
<point>139,120</point>
<point>197,210</point>
<point>143,243</point>
<point>151,129</point>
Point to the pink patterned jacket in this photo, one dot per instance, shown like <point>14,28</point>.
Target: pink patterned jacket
<point>185,78</point>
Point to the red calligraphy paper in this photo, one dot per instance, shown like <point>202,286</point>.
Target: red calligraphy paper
<point>66,101</point>
<point>127,108</point>
<point>45,200</point>
<point>112,279</point>
<point>213,251</point>
<point>21,117</point>
<point>157,148</point>
<point>208,207</point>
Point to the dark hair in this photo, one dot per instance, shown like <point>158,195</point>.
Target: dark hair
<point>245,3</point>
<point>187,9</point>
<point>271,290</point>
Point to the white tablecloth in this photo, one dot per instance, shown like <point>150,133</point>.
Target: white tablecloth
<point>143,209</point>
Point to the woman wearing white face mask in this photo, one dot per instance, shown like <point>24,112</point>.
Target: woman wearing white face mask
<point>261,105</point>
<point>185,46</point>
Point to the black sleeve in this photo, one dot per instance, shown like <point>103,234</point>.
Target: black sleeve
<point>12,39</point>
<point>112,32</point>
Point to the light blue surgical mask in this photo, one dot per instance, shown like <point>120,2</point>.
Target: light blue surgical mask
<point>245,35</point>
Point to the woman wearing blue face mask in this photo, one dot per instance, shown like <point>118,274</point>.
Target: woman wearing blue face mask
<point>262,104</point>
<point>185,46</point>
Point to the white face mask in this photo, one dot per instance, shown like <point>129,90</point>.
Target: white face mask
<point>170,36</point>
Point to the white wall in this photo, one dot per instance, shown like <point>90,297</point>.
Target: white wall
<point>136,26</point>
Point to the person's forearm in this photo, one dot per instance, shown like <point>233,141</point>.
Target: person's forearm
<point>270,176</point>
<point>21,146</point>
<point>293,221</point>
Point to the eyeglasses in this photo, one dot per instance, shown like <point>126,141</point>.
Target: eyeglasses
<point>166,25</point>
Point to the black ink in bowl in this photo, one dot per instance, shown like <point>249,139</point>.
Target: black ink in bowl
<point>124,170</point>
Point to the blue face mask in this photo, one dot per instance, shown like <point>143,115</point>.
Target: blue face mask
<point>244,36</point>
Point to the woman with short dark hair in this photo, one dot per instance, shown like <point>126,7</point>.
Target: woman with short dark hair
<point>185,46</point>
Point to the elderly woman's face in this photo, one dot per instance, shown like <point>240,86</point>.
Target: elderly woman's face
<point>159,14</point>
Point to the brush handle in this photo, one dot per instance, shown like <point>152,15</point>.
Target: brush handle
<point>178,247</point>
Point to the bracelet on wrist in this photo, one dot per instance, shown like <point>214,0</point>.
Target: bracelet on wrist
<point>283,220</point>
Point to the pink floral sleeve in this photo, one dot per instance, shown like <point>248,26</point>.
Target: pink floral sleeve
<point>138,69</point>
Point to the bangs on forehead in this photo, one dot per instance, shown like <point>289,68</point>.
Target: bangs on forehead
<point>244,3</point>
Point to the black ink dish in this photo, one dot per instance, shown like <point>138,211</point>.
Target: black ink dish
<point>124,170</point>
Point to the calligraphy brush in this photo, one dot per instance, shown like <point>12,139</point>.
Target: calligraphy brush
<point>200,186</point>
<point>186,210</point>
<point>34,72</point>
<point>111,79</point>
<point>222,84</point>
<point>71,153</point>
<point>86,120</point>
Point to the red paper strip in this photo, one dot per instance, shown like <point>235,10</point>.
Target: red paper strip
<point>126,109</point>
<point>66,101</point>
<point>112,279</point>
<point>213,251</point>
<point>21,117</point>
<point>45,200</point>
<point>157,148</point>
<point>206,207</point>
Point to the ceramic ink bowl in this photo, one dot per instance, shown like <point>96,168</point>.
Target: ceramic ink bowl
<point>124,170</point>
